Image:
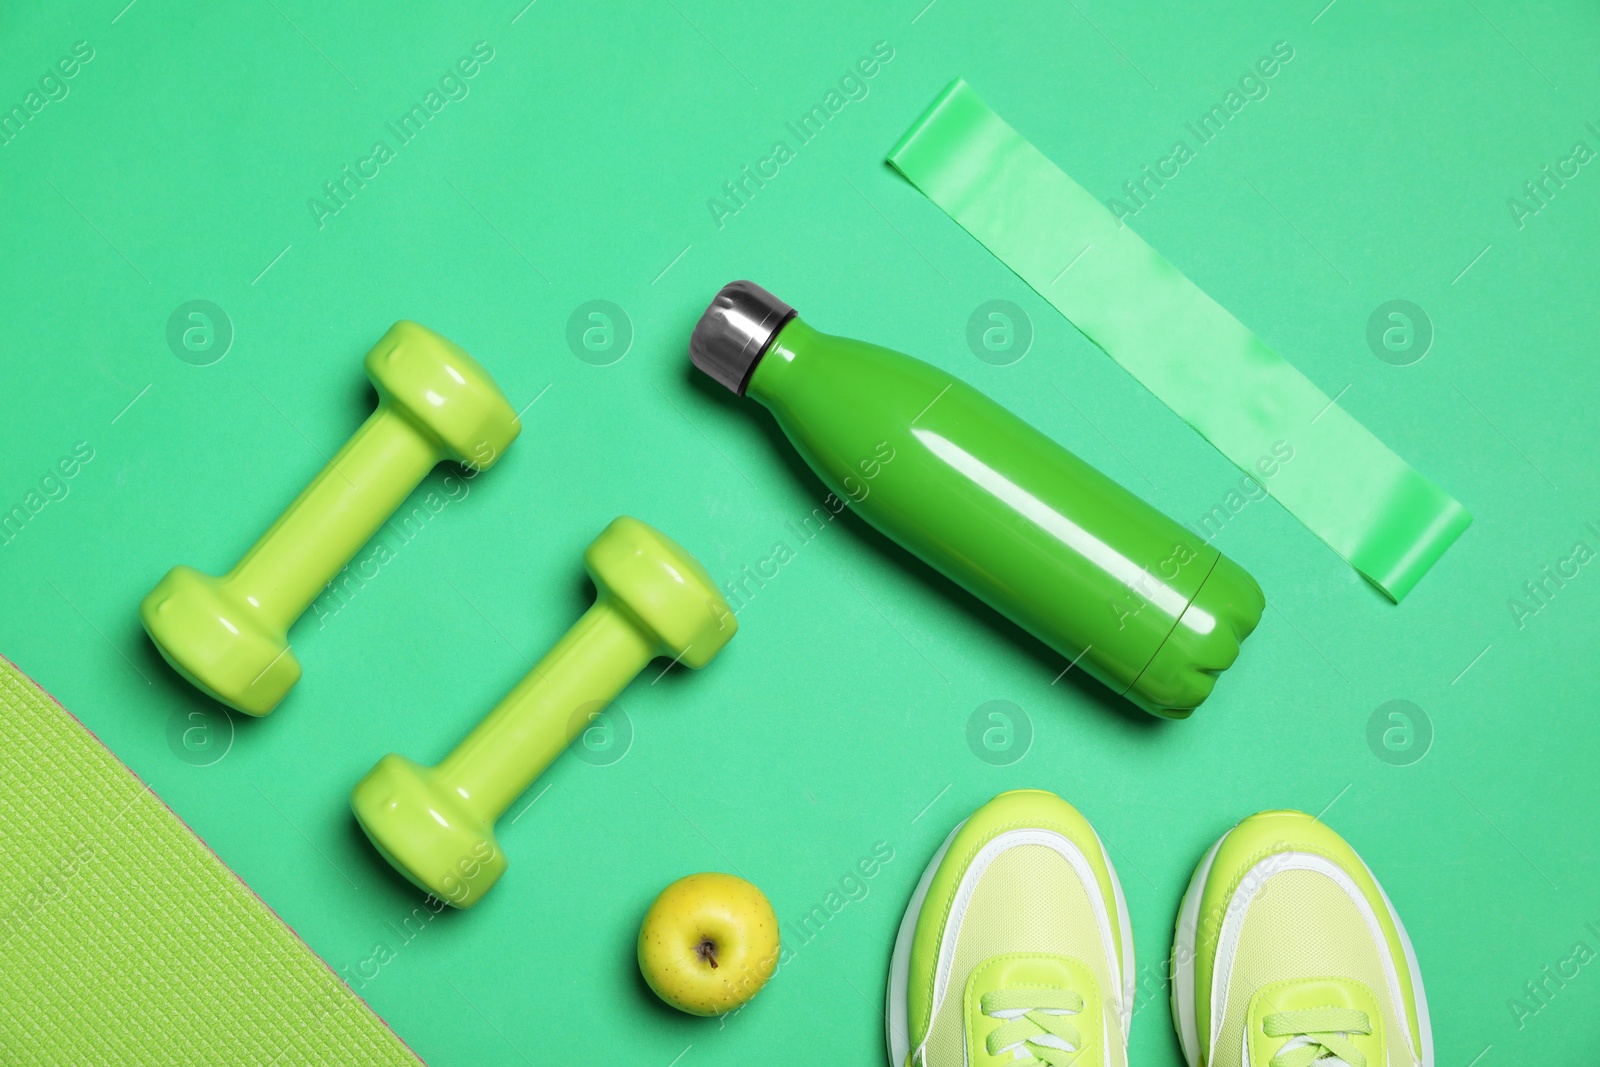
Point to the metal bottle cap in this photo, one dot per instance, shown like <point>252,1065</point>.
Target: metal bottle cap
<point>735,330</point>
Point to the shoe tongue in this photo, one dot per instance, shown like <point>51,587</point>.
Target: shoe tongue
<point>1310,994</point>
<point>1021,971</point>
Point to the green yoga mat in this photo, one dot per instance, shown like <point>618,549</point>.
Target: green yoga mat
<point>127,941</point>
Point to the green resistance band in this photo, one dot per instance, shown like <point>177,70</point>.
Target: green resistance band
<point>1387,520</point>
<point>124,940</point>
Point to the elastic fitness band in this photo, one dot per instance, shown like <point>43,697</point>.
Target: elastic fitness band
<point>1387,520</point>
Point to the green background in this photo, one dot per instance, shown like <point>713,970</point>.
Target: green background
<point>578,168</point>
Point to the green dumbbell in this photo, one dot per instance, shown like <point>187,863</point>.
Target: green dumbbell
<point>436,824</point>
<point>229,635</point>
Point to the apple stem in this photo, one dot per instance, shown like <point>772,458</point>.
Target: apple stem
<point>707,950</point>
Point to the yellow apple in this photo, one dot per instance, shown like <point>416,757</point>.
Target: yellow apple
<point>708,943</point>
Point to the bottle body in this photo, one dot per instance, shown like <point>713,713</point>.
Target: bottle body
<point>1017,520</point>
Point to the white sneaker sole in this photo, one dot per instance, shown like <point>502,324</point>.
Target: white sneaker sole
<point>1183,1003</point>
<point>896,1024</point>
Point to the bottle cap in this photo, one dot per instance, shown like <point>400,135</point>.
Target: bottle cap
<point>735,330</point>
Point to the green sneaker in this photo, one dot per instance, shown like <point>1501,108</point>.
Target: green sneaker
<point>1015,950</point>
<point>1287,953</point>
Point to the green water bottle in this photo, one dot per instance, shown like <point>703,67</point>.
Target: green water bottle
<point>1123,592</point>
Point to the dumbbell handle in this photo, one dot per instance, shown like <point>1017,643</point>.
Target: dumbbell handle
<point>334,516</point>
<point>529,728</point>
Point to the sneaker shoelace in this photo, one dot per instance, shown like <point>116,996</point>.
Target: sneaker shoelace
<point>1037,1027</point>
<point>1318,1036</point>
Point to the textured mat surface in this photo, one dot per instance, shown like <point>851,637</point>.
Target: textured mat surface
<point>126,941</point>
